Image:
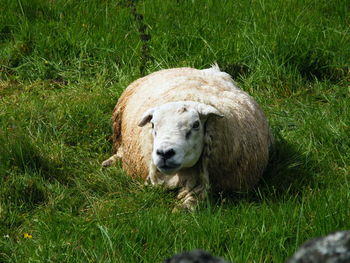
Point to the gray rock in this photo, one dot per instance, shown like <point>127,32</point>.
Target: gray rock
<point>334,248</point>
<point>194,256</point>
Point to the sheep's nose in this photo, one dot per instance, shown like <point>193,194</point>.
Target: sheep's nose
<point>166,154</point>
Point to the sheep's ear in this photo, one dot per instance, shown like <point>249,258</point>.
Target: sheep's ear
<point>146,117</point>
<point>207,110</point>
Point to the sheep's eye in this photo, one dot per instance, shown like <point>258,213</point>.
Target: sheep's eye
<point>195,125</point>
<point>152,125</point>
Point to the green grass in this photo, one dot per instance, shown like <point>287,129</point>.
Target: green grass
<point>63,65</point>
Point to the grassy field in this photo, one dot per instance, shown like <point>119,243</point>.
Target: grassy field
<point>63,65</point>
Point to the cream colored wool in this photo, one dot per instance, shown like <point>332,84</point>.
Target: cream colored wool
<point>236,146</point>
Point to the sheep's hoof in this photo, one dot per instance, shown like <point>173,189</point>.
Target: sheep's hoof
<point>148,181</point>
<point>176,209</point>
<point>182,194</point>
<point>189,205</point>
<point>111,160</point>
<point>107,163</point>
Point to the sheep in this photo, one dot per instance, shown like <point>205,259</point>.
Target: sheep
<point>191,130</point>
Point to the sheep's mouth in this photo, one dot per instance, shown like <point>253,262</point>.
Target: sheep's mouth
<point>169,169</point>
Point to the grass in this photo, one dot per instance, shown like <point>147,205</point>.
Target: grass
<point>63,65</point>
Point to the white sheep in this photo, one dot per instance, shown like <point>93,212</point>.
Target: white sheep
<point>199,131</point>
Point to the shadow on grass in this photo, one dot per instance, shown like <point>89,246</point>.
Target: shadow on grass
<point>236,70</point>
<point>20,152</point>
<point>288,173</point>
<point>317,66</point>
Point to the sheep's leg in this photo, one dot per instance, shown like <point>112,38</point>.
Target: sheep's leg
<point>188,200</point>
<point>113,159</point>
<point>193,191</point>
<point>189,197</point>
<point>182,193</point>
<point>196,187</point>
<point>153,177</point>
<point>172,181</point>
<point>110,161</point>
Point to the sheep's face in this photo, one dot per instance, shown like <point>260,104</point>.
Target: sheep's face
<point>178,134</point>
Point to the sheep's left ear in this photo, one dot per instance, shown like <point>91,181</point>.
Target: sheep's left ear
<point>146,117</point>
<point>207,110</point>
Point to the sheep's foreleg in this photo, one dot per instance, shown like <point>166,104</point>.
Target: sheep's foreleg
<point>171,181</point>
<point>114,158</point>
<point>195,187</point>
<point>193,191</point>
<point>153,177</point>
<point>110,161</point>
<point>189,197</point>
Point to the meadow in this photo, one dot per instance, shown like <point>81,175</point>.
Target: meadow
<point>63,65</point>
